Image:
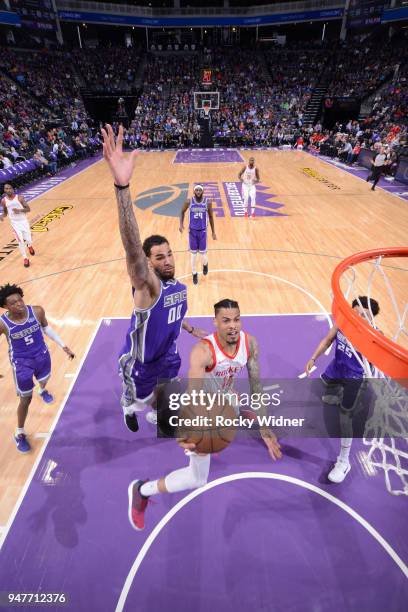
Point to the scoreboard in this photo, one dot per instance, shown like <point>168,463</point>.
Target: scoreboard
<point>206,76</point>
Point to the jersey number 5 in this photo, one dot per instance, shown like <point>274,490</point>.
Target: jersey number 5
<point>175,313</point>
<point>28,340</point>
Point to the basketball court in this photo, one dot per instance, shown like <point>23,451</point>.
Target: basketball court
<point>259,531</point>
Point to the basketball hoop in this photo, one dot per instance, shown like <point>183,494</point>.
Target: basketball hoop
<point>382,357</point>
<point>384,353</point>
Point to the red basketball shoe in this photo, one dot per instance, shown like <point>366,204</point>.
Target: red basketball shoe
<point>137,504</point>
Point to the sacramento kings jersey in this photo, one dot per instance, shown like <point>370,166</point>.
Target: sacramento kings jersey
<point>220,377</point>
<point>198,214</point>
<point>25,339</point>
<point>345,359</point>
<point>153,332</point>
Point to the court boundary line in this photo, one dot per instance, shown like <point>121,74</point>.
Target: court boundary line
<point>216,250</point>
<point>9,524</point>
<point>278,278</point>
<point>250,314</point>
<point>242,476</point>
<point>96,161</point>
<point>333,165</point>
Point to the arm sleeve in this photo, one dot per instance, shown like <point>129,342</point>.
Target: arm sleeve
<point>48,331</point>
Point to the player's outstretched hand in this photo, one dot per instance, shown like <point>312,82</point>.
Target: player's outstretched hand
<point>186,445</point>
<point>120,165</point>
<point>271,444</point>
<point>309,366</point>
<point>69,352</point>
<point>199,333</point>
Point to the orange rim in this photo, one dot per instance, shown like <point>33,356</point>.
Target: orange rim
<point>385,354</point>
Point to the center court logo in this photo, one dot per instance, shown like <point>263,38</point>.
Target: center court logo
<point>168,200</point>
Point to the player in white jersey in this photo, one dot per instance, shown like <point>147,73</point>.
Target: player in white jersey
<point>15,207</point>
<point>249,176</point>
<point>216,361</point>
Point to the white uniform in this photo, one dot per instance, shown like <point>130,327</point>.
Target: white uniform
<point>19,222</point>
<point>225,367</point>
<point>248,186</point>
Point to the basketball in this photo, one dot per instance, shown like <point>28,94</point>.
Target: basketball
<point>210,430</point>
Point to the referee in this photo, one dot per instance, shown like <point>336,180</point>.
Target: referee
<point>377,167</point>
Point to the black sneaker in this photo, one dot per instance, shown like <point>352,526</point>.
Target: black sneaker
<point>195,278</point>
<point>131,422</point>
<point>205,269</point>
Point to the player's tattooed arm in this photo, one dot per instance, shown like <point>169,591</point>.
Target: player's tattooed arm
<point>211,219</point>
<point>122,167</point>
<point>182,213</point>
<point>255,384</point>
<point>258,178</point>
<point>241,173</point>
<point>321,348</point>
<point>253,366</point>
<point>136,260</point>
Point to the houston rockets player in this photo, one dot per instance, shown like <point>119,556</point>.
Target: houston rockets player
<point>249,176</point>
<point>24,327</point>
<point>160,301</point>
<point>344,373</point>
<point>199,214</point>
<point>216,361</point>
<point>14,206</point>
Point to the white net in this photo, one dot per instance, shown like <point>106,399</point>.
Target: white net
<point>386,430</point>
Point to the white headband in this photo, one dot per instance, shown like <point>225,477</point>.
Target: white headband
<point>199,187</point>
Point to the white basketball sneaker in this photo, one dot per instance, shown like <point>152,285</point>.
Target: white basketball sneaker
<point>339,472</point>
<point>135,407</point>
<point>151,417</point>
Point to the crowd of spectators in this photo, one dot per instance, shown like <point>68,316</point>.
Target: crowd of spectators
<point>99,69</point>
<point>263,95</point>
<point>42,118</point>
<point>164,115</point>
<point>357,69</point>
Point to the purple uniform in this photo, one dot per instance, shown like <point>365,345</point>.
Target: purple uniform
<point>29,356</point>
<point>150,352</point>
<point>345,370</point>
<point>198,225</point>
<point>345,364</point>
